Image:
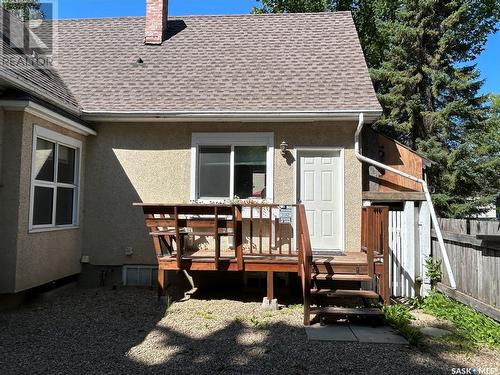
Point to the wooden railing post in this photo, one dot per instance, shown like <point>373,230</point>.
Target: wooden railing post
<point>384,224</point>
<point>305,261</point>
<point>370,239</point>
<point>178,241</point>
<point>375,239</point>
<point>238,236</point>
<point>217,238</point>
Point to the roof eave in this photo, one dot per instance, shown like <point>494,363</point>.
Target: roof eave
<point>34,90</point>
<point>229,116</point>
<point>47,114</point>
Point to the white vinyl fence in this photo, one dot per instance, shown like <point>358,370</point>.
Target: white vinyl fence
<point>409,246</point>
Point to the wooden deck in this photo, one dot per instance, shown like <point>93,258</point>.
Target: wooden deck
<point>268,238</point>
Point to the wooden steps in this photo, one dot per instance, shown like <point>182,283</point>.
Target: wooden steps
<point>340,277</point>
<point>329,281</point>
<point>349,263</point>
<point>326,272</point>
<point>334,293</point>
<point>347,312</point>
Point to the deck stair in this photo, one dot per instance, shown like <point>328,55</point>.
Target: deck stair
<point>336,288</point>
<point>348,285</point>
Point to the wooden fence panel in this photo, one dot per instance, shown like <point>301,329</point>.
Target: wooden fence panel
<point>484,227</point>
<point>475,264</point>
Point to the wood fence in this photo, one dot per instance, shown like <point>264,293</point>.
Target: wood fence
<point>475,261</point>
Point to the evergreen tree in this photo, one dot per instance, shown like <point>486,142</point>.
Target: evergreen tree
<point>467,177</point>
<point>292,6</point>
<point>429,87</point>
<point>421,57</point>
<point>24,9</point>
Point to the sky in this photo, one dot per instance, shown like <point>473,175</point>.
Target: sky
<point>488,62</point>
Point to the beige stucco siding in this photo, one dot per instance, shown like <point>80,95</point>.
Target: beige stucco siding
<point>11,130</point>
<point>48,255</point>
<point>129,163</point>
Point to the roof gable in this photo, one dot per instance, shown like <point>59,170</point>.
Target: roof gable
<point>278,62</point>
<point>293,63</point>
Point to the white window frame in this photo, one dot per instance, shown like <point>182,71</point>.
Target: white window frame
<point>63,140</point>
<point>231,139</point>
<point>125,270</point>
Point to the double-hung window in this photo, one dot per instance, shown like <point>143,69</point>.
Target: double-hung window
<point>55,180</point>
<point>228,165</point>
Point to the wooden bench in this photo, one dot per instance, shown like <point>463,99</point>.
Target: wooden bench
<point>170,224</point>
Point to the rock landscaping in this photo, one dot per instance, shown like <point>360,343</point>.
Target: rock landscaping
<point>126,331</point>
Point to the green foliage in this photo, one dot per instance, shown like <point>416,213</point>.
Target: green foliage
<point>433,270</point>
<point>258,323</point>
<point>292,6</point>
<point>473,326</point>
<point>421,57</point>
<point>208,315</point>
<point>429,86</point>
<point>24,9</point>
<point>400,318</point>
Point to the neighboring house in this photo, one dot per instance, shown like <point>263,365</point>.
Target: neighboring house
<point>197,108</point>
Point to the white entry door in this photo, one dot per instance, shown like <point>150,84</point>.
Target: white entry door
<point>320,190</point>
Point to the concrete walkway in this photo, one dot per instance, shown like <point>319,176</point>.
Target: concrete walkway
<point>354,333</point>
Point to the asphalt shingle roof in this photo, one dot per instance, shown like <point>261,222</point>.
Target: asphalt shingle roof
<point>285,62</point>
<point>277,62</point>
<point>13,65</point>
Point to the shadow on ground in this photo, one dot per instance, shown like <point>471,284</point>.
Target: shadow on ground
<point>128,331</point>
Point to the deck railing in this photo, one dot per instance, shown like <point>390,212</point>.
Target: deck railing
<point>268,229</point>
<point>196,231</point>
<point>305,260</point>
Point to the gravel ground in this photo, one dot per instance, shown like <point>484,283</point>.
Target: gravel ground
<point>126,331</point>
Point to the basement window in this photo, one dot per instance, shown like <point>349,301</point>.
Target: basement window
<point>139,276</point>
<point>55,181</point>
<point>227,165</point>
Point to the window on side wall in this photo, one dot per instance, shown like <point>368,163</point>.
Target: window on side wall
<point>232,164</point>
<point>55,180</point>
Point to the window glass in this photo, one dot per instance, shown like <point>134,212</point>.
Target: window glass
<point>55,184</point>
<point>214,171</point>
<point>250,171</point>
<point>42,205</point>
<point>66,165</point>
<point>44,160</point>
<point>64,206</point>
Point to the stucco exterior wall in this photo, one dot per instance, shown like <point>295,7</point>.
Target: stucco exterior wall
<point>11,130</point>
<point>151,163</point>
<point>48,255</point>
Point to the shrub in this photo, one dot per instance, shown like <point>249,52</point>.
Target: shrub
<point>433,270</point>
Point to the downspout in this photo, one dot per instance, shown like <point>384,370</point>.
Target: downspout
<point>428,198</point>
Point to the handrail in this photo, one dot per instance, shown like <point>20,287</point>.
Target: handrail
<point>305,260</point>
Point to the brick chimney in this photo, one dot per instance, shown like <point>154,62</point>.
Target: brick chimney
<point>156,21</point>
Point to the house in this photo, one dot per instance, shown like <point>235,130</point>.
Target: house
<point>177,110</point>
